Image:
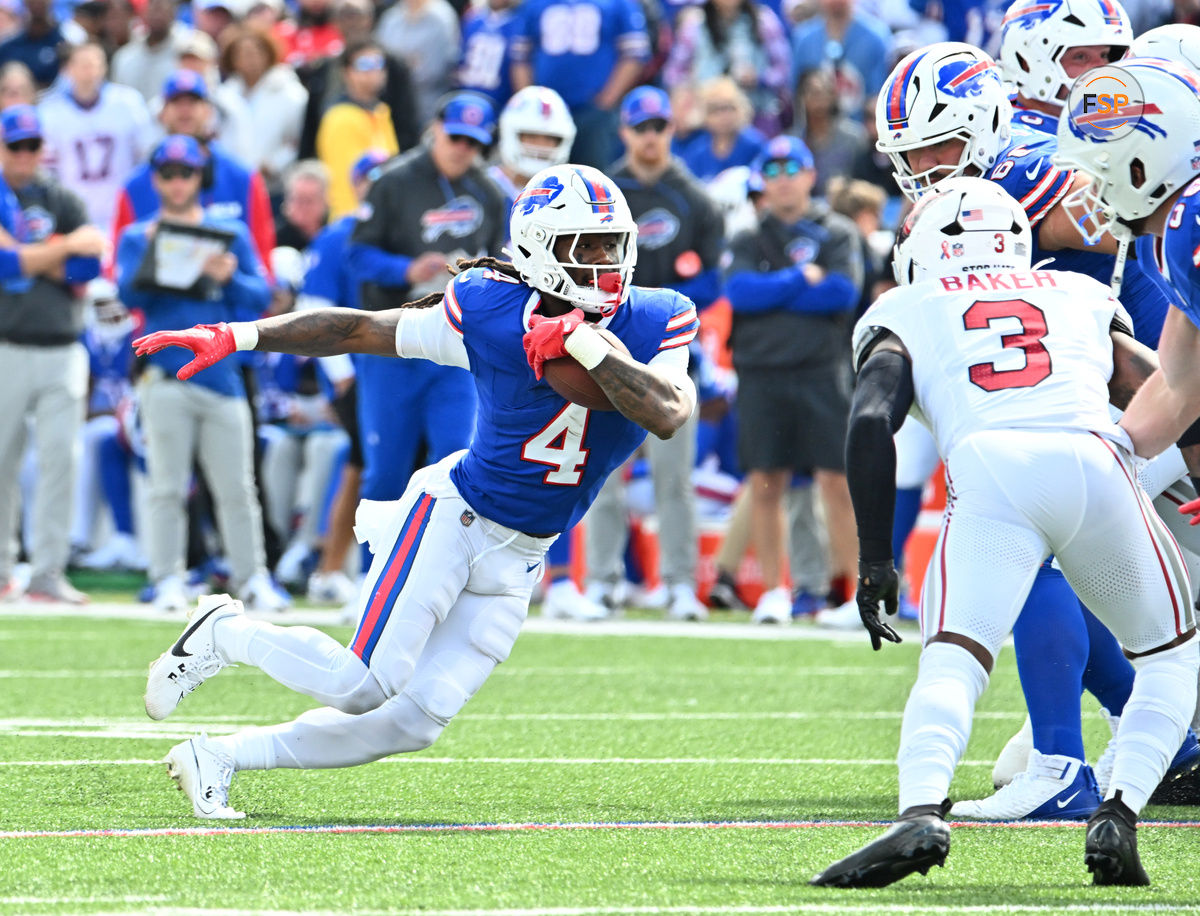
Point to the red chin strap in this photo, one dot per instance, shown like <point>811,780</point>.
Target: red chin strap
<point>609,283</point>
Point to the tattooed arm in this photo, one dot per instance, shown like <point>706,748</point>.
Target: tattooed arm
<point>658,397</point>
<point>326,332</point>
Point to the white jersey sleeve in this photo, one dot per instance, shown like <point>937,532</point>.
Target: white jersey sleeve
<point>1023,350</point>
<point>426,334</point>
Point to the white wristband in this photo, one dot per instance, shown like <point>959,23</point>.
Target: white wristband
<point>245,334</point>
<point>587,346</point>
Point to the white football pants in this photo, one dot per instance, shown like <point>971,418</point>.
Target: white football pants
<point>441,606</point>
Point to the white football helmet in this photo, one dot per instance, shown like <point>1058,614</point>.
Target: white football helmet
<point>1164,146</point>
<point>962,224</point>
<point>566,201</point>
<point>949,90</point>
<point>1178,42</point>
<point>1035,35</point>
<point>535,110</point>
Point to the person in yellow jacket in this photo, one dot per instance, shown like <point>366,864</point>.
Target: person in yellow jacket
<point>357,123</point>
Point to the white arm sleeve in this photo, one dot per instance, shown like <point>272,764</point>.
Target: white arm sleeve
<point>673,364</point>
<point>426,334</point>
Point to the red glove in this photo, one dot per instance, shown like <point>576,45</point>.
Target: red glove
<point>1193,509</point>
<point>210,343</point>
<point>547,337</point>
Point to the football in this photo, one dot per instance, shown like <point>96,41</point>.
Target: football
<point>571,381</point>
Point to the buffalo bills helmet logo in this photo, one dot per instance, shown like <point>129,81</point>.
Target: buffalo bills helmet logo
<point>535,198</point>
<point>963,78</point>
<point>802,251</point>
<point>1027,15</point>
<point>656,228</point>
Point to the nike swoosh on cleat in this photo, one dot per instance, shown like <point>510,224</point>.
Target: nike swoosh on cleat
<point>1062,804</point>
<point>529,568</point>
<point>177,649</point>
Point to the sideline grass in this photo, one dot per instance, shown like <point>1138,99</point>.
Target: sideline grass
<point>573,729</point>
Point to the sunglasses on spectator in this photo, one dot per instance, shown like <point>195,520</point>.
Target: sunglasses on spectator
<point>655,125</point>
<point>720,107</point>
<point>171,171</point>
<point>787,167</point>
<point>463,138</point>
<point>367,63</point>
<point>24,146</point>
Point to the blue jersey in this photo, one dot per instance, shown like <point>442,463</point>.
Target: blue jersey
<point>573,45</point>
<point>326,273</point>
<point>1035,120</point>
<point>537,462</point>
<point>1177,254</point>
<point>486,53</point>
<point>1025,171</point>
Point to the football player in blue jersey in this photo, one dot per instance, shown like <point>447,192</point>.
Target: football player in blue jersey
<point>1144,184</point>
<point>944,112</point>
<point>456,558</point>
<point>1045,46</point>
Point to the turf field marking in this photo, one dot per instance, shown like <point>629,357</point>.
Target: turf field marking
<point>805,907</point>
<point>640,628</point>
<point>410,760</point>
<point>685,910</point>
<point>519,828</point>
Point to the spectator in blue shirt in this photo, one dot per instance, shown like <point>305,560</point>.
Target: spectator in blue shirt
<point>857,46</point>
<point>37,45</point>
<point>486,64</point>
<point>206,418</point>
<point>726,139</point>
<point>591,53</point>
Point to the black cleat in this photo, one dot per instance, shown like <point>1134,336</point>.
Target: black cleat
<point>724,594</point>
<point>1110,851</point>
<point>919,840</point>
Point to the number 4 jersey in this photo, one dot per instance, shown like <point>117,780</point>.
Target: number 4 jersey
<point>536,461</point>
<point>1023,350</point>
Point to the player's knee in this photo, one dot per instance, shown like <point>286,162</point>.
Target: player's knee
<point>445,685</point>
<point>353,688</point>
<point>418,727</point>
<point>951,661</point>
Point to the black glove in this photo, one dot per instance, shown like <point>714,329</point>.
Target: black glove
<point>878,582</point>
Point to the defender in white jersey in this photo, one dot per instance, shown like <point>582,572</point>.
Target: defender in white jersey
<point>97,132</point>
<point>1012,369</point>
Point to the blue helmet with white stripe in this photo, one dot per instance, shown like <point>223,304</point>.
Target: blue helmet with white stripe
<point>570,201</point>
<point>947,91</point>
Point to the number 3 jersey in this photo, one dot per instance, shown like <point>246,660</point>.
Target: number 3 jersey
<point>536,461</point>
<point>1023,350</point>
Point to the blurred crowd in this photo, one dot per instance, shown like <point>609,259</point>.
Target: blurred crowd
<point>342,152</point>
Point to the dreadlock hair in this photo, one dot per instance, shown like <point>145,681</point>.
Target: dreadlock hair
<point>464,264</point>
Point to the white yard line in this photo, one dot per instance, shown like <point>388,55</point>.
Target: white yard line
<point>535,624</point>
<point>412,759</point>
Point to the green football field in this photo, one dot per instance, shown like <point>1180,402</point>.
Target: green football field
<point>625,768</point>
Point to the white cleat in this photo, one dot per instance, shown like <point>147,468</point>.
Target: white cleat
<point>563,599</point>
<point>1014,758</point>
<point>774,606</point>
<point>332,588</point>
<point>685,605</point>
<point>203,774</point>
<point>1053,787</point>
<point>843,617</point>
<point>260,594</point>
<point>169,594</point>
<point>192,660</point>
